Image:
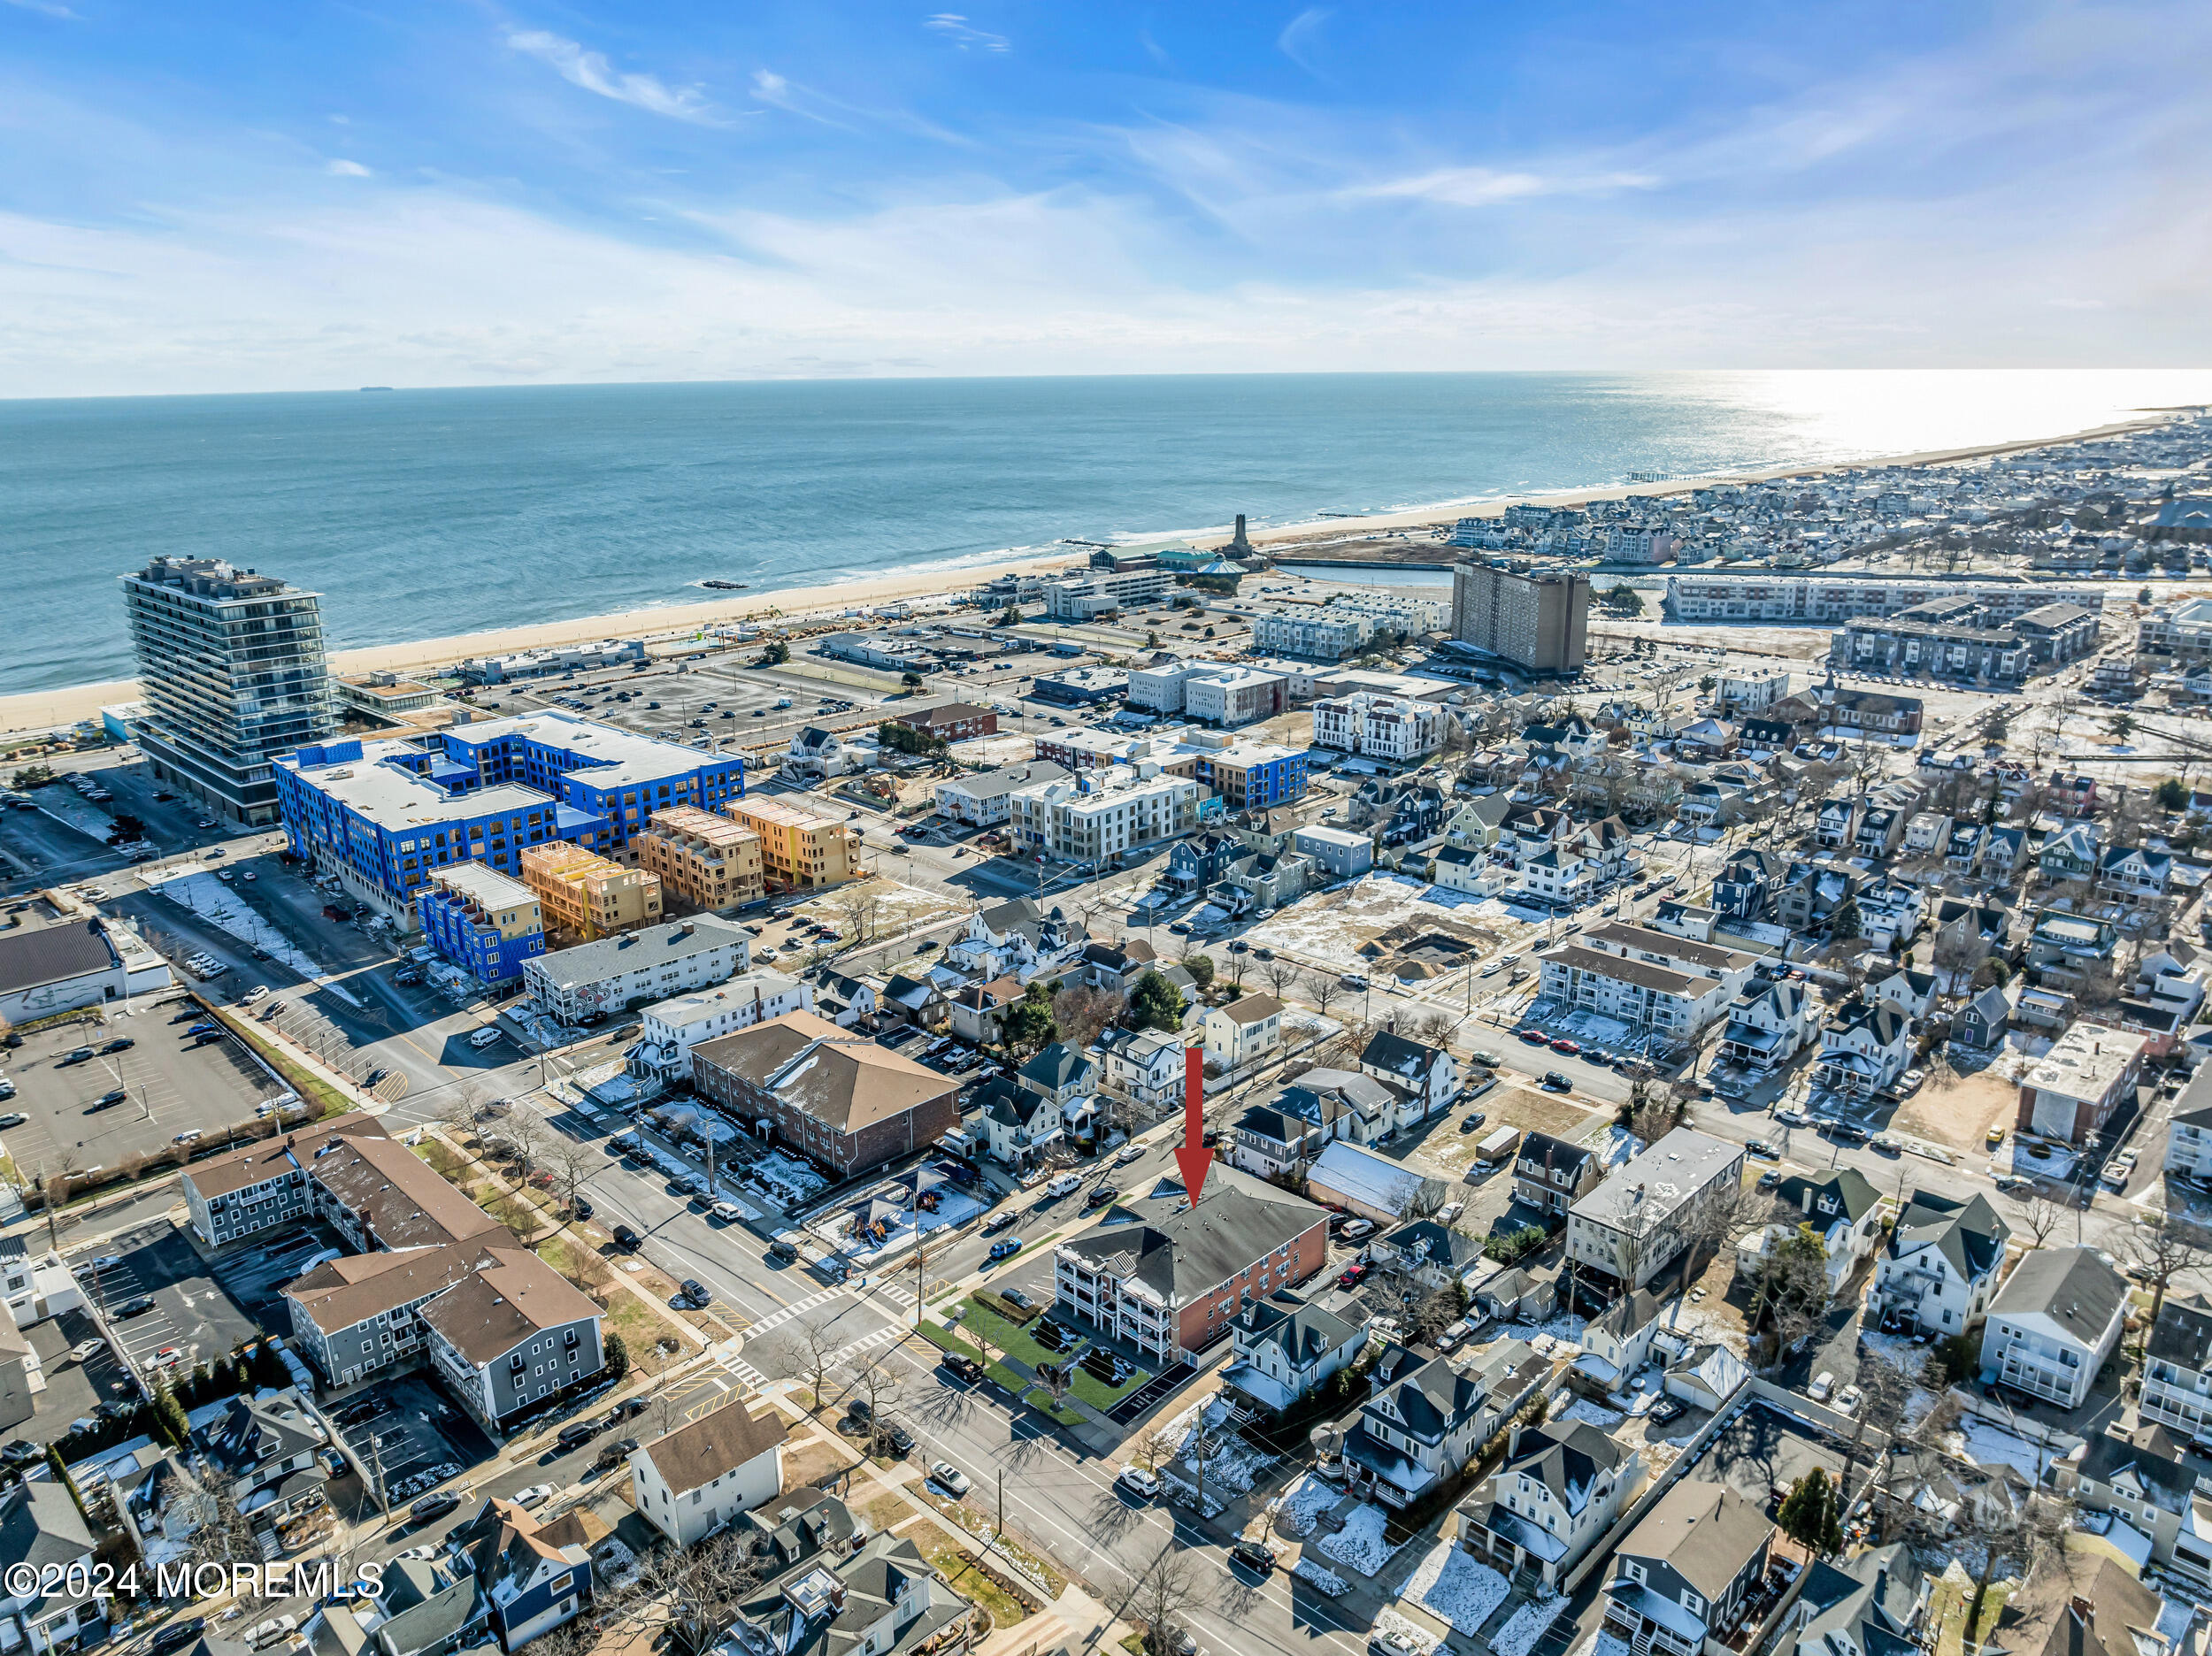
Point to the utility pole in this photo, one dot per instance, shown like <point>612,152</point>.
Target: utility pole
<point>376,1462</point>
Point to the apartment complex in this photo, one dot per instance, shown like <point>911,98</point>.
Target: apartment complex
<point>233,674</point>
<point>1229,696</point>
<point>1394,729</point>
<point>1811,598</point>
<point>1317,634</point>
<point>1086,596</point>
<point>1099,815</point>
<point>383,816</point>
<point>1539,620</point>
<point>799,848</point>
<point>668,1030</point>
<point>481,921</point>
<point>705,858</point>
<point>1632,1226</point>
<point>594,980</point>
<point>1675,1003</point>
<point>2183,631</point>
<point>585,895</point>
<point>1253,776</point>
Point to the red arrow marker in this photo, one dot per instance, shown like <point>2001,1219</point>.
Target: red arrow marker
<point>1194,1157</point>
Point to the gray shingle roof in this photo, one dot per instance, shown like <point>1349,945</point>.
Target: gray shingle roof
<point>651,946</point>
<point>2072,1287</point>
<point>53,954</point>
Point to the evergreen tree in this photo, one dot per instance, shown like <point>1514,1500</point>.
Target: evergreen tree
<point>1845,926</point>
<point>1808,1514</point>
<point>169,1416</point>
<point>1028,1024</point>
<point>1156,1004</point>
<point>268,1367</point>
<point>617,1353</point>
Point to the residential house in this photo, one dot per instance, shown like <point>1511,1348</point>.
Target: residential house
<point>1514,1296</point>
<point>1144,1067</point>
<point>1430,1073</point>
<point>976,1014</point>
<point>1272,1143</point>
<point>2084,1605</point>
<point>880,1598</point>
<point>1927,833</point>
<point>1019,1126</point>
<point>1688,1571</point>
<point>2073,1089</point>
<point>2072,854</point>
<point>691,1482</point>
<point>1560,1488</point>
<point>1424,1418</point>
<point>2136,1481</point>
<point>528,1577</point>
<point>2134,875</point>
<point>1980,1025</point>
<point>1432,1254</point>
<point>512,1339</point>
<point>2065,949</point>
<point>1743,889</point>
<point>1864,1049</point>
<point>1243,1032</point>
<point>1913,991</point>
<point>2177,1370</point>
<point>2175,974</point>
<point>1768,1024</point>
<point>1198,860</point>
<point>49,1549</point>
<point>1616,1342</point>
<point>1633,1225</point>
<point>668,1030</point>
<point>1962,849</point>
<point>1551,1175</point>
<point>980,799</point>
<point>2003,850</point>
<point>1840,1206</point>
<point>1173,1286</point>
<point>1810,895</point>
<point>1880,833</point>
<point>1836,823</point>
<point>2053,1324</point>
<point>1890,912</point>
<point>1872,1604</point>
<point>1286,1347</point>
<point>1940,1265</point>
<point>1558,877</point>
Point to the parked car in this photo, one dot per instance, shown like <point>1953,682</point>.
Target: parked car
<point>949,1477</point>
<point>967,1367</point>
<point>1665,1409</point>
<point>1824,1382</point>
<point>625,1237</point>
<point>13,1118</point>
<point>1129,1152</point>
<point>577,1432</point>
<point>276,1629</point>
<point>176,1635</point>
<point>697,1294</point>
<point>434,1506</point>
<point>1760,1148</point>
<point>1554,1081</point>
<point>1005,1248</point>
<point>1350,1275</point>
<point>1253,1555</point>
<point>1138,1482</point>
<point>1062,1184</point>
<point>121,1043</point>
<point>616,1453</point>
<point>1101,1194</point>
<point>107,1101</point>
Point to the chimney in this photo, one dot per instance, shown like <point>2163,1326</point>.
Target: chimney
<point>1805,1198</point>
<point>2084,1607</point>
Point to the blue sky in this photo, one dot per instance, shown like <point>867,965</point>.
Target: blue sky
<point>264,196</point>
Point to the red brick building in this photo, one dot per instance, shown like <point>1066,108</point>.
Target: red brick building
<point>956,720</point>
<point>1176,1284</point>
<point>832,1094</point>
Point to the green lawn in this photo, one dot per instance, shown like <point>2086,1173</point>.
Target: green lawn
<point>942,1337</point>
<point>1041,1400</point>
<point>1097,1394</point>
<point>1947,1614</point>
<point>1005,1337</point>
<point>965,1579</point>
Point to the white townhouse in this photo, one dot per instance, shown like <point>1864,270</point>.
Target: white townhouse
<point>1940,1265</point>
<point>1561,1487</point>
<point>2177,1375</point>
<point>1243,1032</point>
<point>668,1030</point>
<point>1431,1072</point>
<point>1395,729</point>
<point>1767,1026</point>
<point>979,798</point>
<point>1911,990</point>
<point>1560,875</point>
<point>1864,1049</point>
<point>2189,1135</point>
<point>1103,814</point>
<point>1143,1066</point>
<point>1844,1210</point>
<point>699,1477</point>
<point>1647,997</point>
<point>2053,1324</point>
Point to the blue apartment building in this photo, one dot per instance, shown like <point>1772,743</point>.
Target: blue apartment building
<point>482,922</point>
<point>385,816</point>
<point>1255,776</point>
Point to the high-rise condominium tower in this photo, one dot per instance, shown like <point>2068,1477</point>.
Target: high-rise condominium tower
<point>232,665</point>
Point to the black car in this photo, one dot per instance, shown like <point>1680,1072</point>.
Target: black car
<point>121,1043</point>
<point>624,1237</point>
<point>629,1408</point>
<point>432,1506</point>
<point>859,1412</point>
<point>999,1221</point>
<point>577,1432</point>
<point>374,1076</point>
<point>967,1367</point>
<point>580,1209</point>
<point>1665,1410</point>
<point>1101,1194</point>
<point>1554,1081</point>
<point>895,1439</point>
<point>697,1292</point>
<point>1254,1556</point>
<point>783,1252</point>
<point>107,1101</point>
<point>176,1635</point>
<point>614,1454</point>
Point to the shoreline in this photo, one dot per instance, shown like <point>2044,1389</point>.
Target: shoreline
<point>37,710</point>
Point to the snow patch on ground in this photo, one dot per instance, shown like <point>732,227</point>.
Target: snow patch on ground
<point>1303,1503</point>
<point>1328,1581</point>
<point>782,1179</point>
<point>216,903</point>
<point>1987,1444</point>
<point>1390,1624</point>
<point>1360,1545</point>
<point>1583,1409</point>
<point>1526,1625</point>
<point>1328,927</point>
<point>1230,1463</point>
<point>1450,1585</point>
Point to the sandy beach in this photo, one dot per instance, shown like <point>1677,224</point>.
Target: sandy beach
<point>58,709</point>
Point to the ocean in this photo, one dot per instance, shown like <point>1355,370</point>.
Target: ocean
<point>422,514</point>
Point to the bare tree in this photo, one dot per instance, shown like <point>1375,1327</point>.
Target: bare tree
<point>2040,1217</point>
<point>1320,988</point>
<point>1724,1217</point>
<point>526,1131</point>
<point>1084,1013</point>
<point>687,1595</point>
<point>1158,1448</point>
<point>1884,1388</point>
<point>224,1533</point>
<point>1161,1598</point>
<point>817,1347</point>
<point>1280,974</point>
<point>2159,1247</point>
<point>572,1163</point>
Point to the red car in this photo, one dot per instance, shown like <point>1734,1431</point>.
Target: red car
<point>1351,1275</point>
<point>1563,1045</point>
<point>1534,1038</point>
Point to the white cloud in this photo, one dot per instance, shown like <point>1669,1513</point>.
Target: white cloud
<point>1481,186</point>
<point>955,28</point>
<point>1302,36</point>
<point>347,169</point>
<point>44,8</point>
<point>591,71</point>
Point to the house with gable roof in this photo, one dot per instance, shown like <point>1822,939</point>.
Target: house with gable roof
<point>1429,1074</point>
<point>1425,1418</point>
<point>1864,1049</point>
<point>1688,1571</point>
<point>529,1577</point>
<point>1940,1265</point>
<point>692,1481</point>
<point>1768,1024</point>
<point>1872,1605</point>
<point>1841,1207</point>
<point>2139,1481</point>
<point>2178,1369</point>
<point>2053,1324</point>
<point>1286,1347</point>
<point>1551,1175</point>
<point>1558,1490</point>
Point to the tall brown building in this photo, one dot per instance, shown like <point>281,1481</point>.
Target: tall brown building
<point>1540,620</point>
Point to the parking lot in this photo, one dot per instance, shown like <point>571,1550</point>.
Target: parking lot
<point>689,701</point>
<point>169,1086</point>
<point>74,1389</point>
<point>405,1427</point>
<point>159,1297</point>
<point>254,1277</point>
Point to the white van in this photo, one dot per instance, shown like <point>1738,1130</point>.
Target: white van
<point>484,1037</point>
<point>1063,1185</point>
